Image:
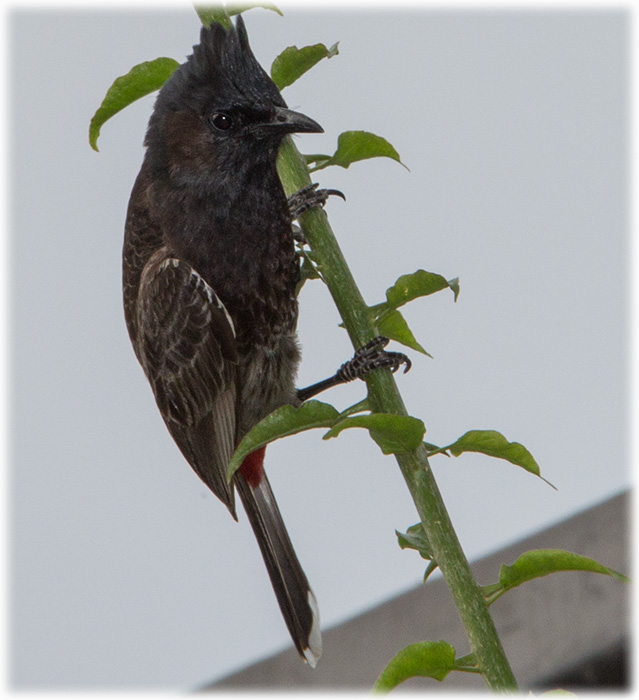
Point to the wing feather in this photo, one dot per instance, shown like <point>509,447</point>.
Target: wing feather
<point>186,343</point>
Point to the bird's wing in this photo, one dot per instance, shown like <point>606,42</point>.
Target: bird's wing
<point>187,346</point>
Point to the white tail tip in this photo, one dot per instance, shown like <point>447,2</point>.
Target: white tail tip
<point>314,650</point>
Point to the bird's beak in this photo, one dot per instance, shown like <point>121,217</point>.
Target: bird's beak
<point>286,121</point>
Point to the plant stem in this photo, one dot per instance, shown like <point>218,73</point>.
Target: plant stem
<point>385,397</point>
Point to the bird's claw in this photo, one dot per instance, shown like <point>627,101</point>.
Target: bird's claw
<point>370,357</point>
<point>309,197</point>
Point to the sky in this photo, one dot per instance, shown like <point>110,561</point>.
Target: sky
<point>125,572</point>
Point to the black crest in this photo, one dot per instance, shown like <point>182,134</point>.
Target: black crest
<point>222,66</point>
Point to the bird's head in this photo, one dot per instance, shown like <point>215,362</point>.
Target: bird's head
<point>220,108</point>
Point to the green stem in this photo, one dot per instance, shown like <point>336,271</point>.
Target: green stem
<point>385,397</point>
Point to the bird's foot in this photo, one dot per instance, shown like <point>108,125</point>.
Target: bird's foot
<point>371,357</point>
<point>309,197</point>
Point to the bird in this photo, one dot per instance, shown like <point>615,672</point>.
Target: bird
<point>209,279</point>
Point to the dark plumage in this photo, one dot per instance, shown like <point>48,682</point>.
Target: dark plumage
<point>209,277</point>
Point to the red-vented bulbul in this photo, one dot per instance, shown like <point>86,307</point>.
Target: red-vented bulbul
<point>209,278</point>
<point>209,281</point>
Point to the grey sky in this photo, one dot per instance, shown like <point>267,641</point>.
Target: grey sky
<point>126,572</point>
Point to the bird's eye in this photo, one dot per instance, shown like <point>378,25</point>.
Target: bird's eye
<point>221,121</point>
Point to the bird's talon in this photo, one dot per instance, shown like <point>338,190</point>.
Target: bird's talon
<point>309,197</point>
<point>370,357</point>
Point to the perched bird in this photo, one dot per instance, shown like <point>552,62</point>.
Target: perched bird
<point>209,281</point>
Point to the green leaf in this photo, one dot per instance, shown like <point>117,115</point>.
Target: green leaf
<point>308,269</point>
<point>430,659</point>
<point>292,63</point>
<point>541,562</point>
<point>221,15</point>
<point>415,538</point>
<point>213,13</point>
<point>353,146</point>
<point>234,8</point>
<point>394,434</point>
<point>286,420</point>
<point>432,565</point>
<point>418,284</point>
<point>494,444</point>
<point>394,326</point>
<point>391,322</point>
<point>454,285</point>
<point>139,81</point>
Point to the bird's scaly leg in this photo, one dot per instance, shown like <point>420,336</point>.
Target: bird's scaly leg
<point>368,358</point>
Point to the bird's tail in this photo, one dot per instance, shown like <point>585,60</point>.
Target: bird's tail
<point>289,581</point>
